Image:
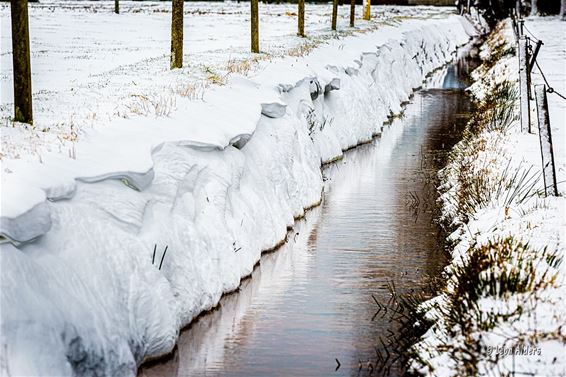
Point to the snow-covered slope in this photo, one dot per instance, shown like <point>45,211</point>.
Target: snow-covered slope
<point>502,309</point>
<point>215,184</point>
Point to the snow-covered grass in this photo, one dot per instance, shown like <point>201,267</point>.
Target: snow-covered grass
<point>501,311</point>
<point>216,171</point>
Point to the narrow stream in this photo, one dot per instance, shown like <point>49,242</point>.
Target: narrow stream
<point>310,302</point>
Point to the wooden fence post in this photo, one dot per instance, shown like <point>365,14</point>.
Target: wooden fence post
<point>545,137</point>
<point>524,83</point>
<point>301,31</point>
<point>177,34</point>
<point>352,12</point>
<point>534,57</point>
<point>334,13</point>
<point>515,27</point>
<point>255,25</point>
<point>367,9</point>
<point>117,6</point>
<point>21,62</point>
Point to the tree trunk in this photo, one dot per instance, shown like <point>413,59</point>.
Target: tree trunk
<point>563,10</point>
<point>334,13</point>
<point>21,62</point>
<point>301,31</point>
<point>255,25</point>
<point>367,10</point>
<point>177,34</point>
<point>534,7</point>
<point>352,12</point>
<point>117,6</point>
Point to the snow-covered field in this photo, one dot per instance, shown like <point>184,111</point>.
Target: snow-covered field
<point>503,312</point>
<point>212,162</point>
<point>91,67</point>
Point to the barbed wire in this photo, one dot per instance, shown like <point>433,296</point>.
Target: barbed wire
<point>530,33</point>
<point>549,88</point>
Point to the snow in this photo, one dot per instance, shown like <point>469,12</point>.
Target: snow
<point>538,222</point>
<point>121,161</point>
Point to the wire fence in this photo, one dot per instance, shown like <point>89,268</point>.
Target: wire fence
<point>527,61</point>
<point>549,88</point>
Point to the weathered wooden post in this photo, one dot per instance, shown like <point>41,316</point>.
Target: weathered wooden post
<point>352,12</point>
<point>367,9</point>
<point>524,83</point>
<point>301,31</point>
<point>21,62</point>
<point>117,6</point>
<point>515,27</point>
<point>255,25</point>
<point>545,137</point>
<point>534,57</point>
<point>177,34</point>
<point>334,13</point>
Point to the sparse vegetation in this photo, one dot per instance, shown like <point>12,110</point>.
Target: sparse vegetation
<point>192,91</point>
<point>157,106</point>
<point>315,124</point>
<point>505,270</point>
<point>498,280</point>
<point>482,178</point>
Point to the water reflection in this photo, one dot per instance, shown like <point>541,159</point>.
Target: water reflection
<point>310,303</point>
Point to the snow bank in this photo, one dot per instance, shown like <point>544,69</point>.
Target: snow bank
<point>502,309</point>
<point>215,184</point>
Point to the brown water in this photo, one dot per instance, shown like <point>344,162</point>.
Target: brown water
<point>310,302</point>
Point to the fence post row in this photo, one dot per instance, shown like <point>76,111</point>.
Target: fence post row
<point>177,34</point>
<point>334,13</point>
<point>367,9</point>
<point>21,62</point>
<point>524,83</point>
<point>352,12</point>
<point>526,65</point>
<point>545,137</point>
<point>255,25</point>
<point>301,31</point>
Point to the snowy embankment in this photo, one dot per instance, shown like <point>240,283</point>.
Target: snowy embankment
<point>502,311</point>
<point>215,183</point>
